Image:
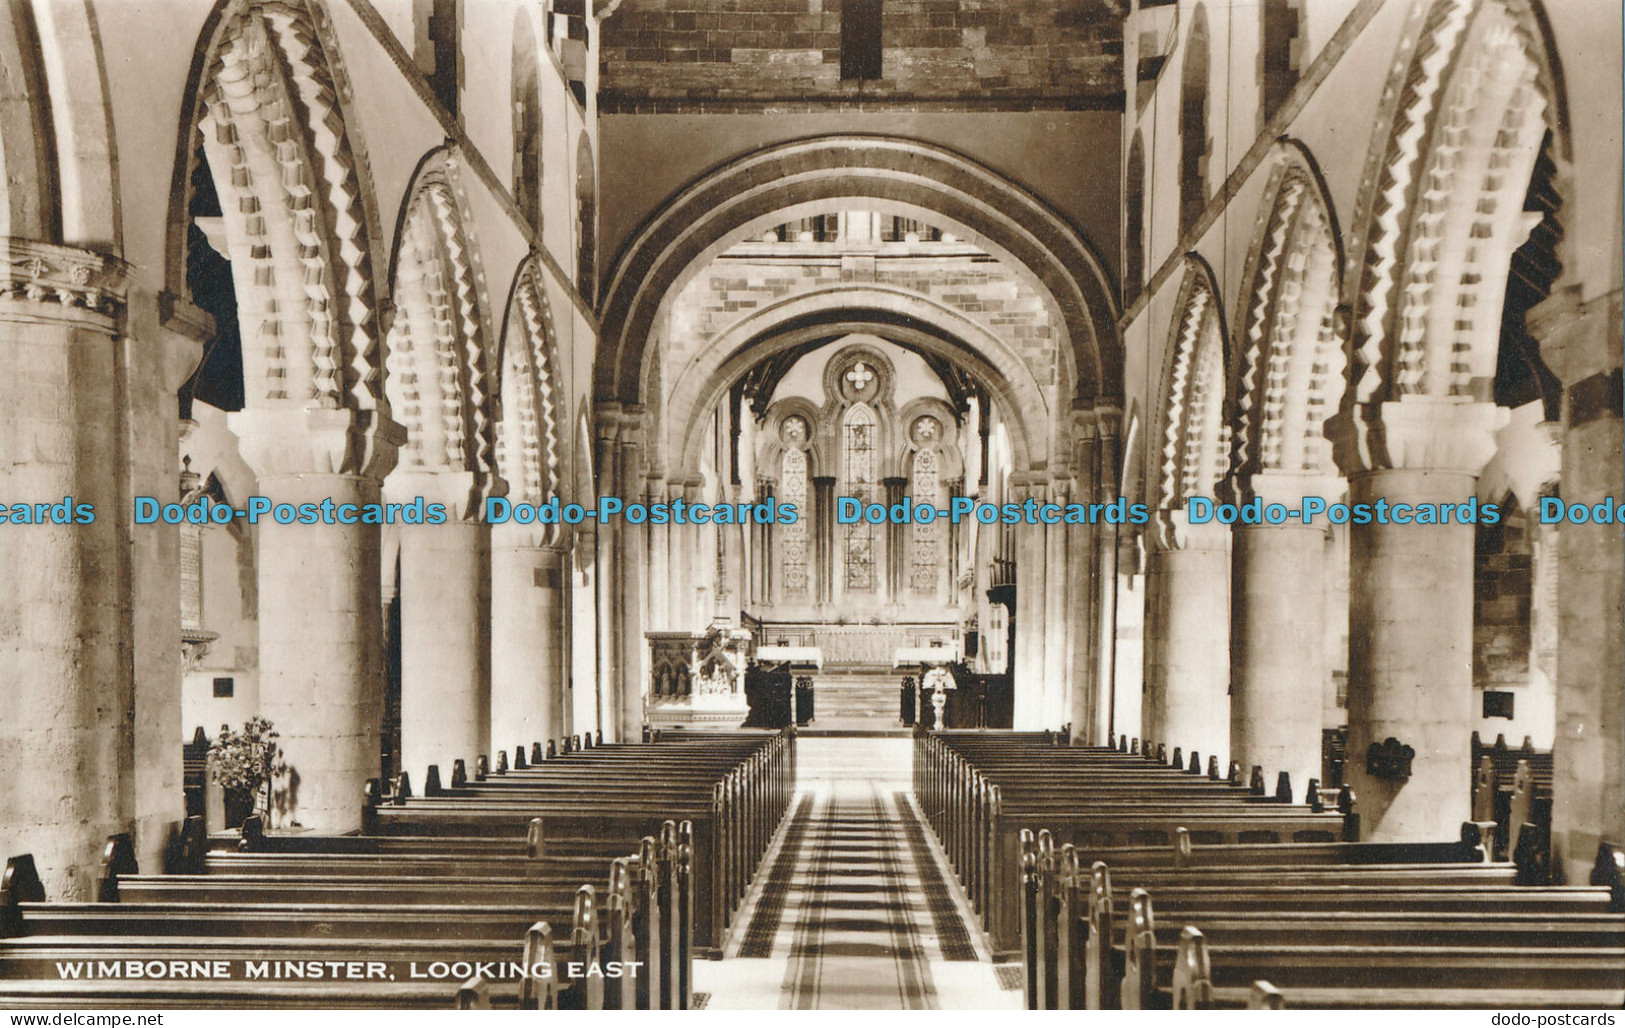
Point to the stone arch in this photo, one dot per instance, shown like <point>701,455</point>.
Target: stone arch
<point>297,220</point>
<point>956,193</point>
<point>27,162</point>
<point>1194,453</point>
<point>444,389</point>
<point>1195,147</point>
<point>891,314</point>
<point>528,452</point>
<point>1444,192</point>
<point>1289,361</point>
<point>526,105</point>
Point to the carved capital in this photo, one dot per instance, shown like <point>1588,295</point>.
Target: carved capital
<point>1284,487</point>
<point>1418,433</point>
<point>1175,532</point>
<point>62,276</point>
<point>317,441</point>
<point>463,493</point>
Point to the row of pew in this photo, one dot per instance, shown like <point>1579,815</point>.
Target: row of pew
<point>1144,883</point>
<point>589,880</point>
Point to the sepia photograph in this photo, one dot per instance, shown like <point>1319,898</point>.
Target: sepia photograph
<point>952,505</point>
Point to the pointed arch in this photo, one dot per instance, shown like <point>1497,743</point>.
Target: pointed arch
<point>443,390</point>
<point>528,440</point>
<point>1195,430</point>
<point>1290,358</point>
<point>1472,102</point>
<point>296,220</point>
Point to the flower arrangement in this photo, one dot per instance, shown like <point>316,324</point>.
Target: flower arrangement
<point>245,762</point>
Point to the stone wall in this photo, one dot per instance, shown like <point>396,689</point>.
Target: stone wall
<point>672,52</point>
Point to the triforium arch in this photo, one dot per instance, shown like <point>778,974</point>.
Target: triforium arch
<point>444,386</point>
<point>1287,380</point>
<point>297,218</point>
<point>701,219</point>
<point>1186,702</point>
<point>1469,103</point>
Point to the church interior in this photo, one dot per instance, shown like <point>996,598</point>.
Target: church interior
<point>463,465</point>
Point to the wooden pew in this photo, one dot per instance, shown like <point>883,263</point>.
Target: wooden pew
<point>980,790</point>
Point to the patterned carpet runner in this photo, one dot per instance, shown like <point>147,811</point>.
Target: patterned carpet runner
<point>856,905</point>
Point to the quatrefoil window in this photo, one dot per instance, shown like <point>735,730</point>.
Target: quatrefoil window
<point>859,376</point>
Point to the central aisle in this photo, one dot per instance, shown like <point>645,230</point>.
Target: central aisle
<point>854,908</point>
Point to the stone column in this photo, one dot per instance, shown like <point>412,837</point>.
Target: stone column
<point>161,354</point>
<point>1031,591</point>
<point>896,544</point>
<point>320,604</point>
<point>607,424</point>
<point>528,636</point>
<point>445,619</point>
<point>583,711</point>
<point>65,737</point>
<point>1187,645</point>
<point>824,538</point>
<point>631,573</point>
<point>1411,613</point>
<point>1278,662</point>
<point>659,570</point>
<point>1581,343</point>
<point>1106,564</point>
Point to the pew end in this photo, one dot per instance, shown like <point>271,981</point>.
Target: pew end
<point>1265,997</point>
<point>535,839</point>
<point>118,858</point>
<point>188,847</point>
<point>1193,972</point>
<point>20,884</point>
<point>252,834</point>
<point>474,994</point>
<point>539,993</point>
<point>1139,985</point>
<point>1610,871</point>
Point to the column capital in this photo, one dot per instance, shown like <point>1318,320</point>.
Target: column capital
<point>317,441</point>
<point>79,284</point>
<point>1175,532</point>
<point>1288,487</point>
<point>463,493</point>
<point>1417,433</point>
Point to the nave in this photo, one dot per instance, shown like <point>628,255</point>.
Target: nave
<point>1007,869</point>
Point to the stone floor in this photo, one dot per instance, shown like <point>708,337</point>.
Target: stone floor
<point>855,907</point>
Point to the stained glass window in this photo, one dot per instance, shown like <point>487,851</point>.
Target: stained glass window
<point>793,489</point>
<point>927,489</point>
<point>858,453</point>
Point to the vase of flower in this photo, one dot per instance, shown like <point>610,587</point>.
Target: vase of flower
<point>243,764</point>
